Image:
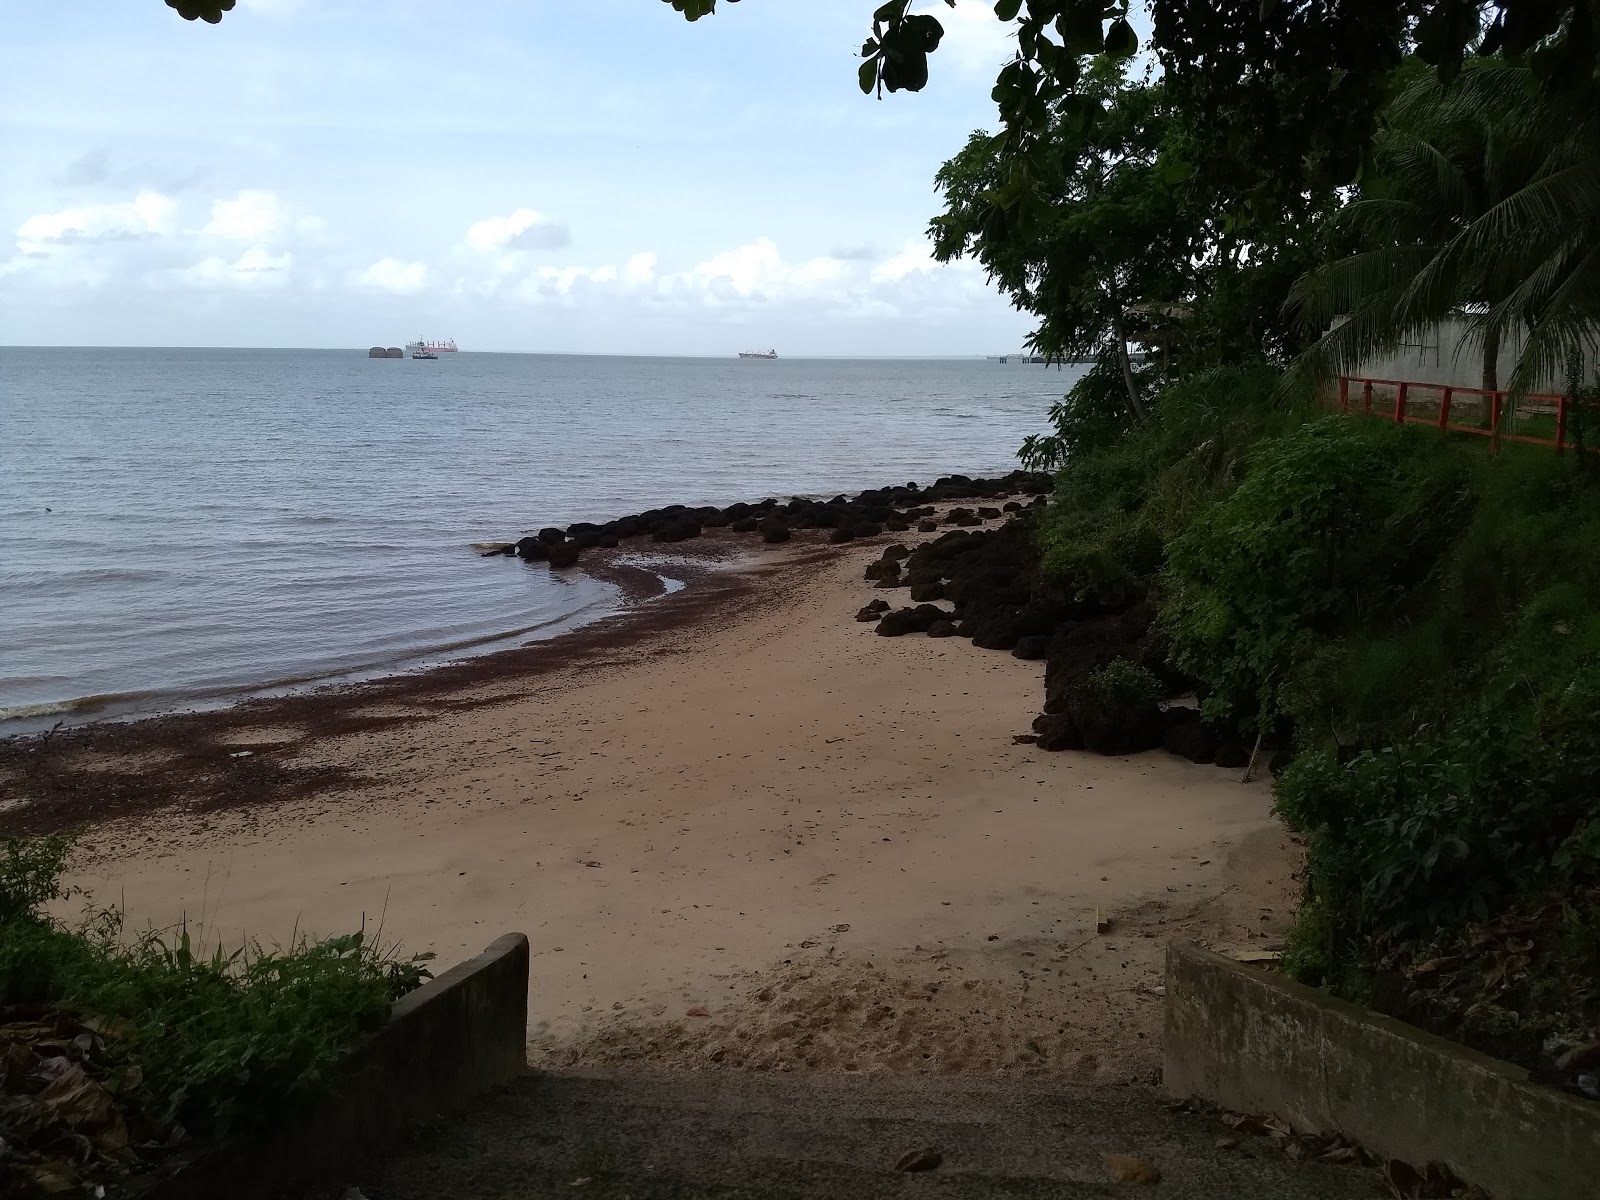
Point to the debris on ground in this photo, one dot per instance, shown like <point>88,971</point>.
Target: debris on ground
<point>71,1118</point>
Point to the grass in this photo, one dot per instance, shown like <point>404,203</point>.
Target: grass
<point>222,1041</point>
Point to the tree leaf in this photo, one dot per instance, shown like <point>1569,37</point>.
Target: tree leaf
<point>1121,41</point>
<point>867,74</point>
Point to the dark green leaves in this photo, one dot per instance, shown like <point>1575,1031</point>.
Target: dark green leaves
<point>209,11</point>
<point>896,56</point>
<point>1121,41</point>
<point>1007,10</point>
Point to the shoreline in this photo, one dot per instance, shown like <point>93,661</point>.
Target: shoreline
<point>624,564</point>
<point>711,571</point>
<point>739,801</point>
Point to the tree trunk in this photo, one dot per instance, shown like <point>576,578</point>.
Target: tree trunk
<point>1491,373</point>
<point>1134,403</point>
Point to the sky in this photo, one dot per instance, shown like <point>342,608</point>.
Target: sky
<point>588,176</point>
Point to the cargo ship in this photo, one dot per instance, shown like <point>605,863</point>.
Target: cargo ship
<point>423,346</point>
<point>758,354</point>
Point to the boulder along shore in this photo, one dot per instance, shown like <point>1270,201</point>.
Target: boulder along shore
<point>742,830</point>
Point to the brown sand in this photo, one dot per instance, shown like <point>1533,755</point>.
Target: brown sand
<point>826,840</point>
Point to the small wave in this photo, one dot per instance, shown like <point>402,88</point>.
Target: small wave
<point>79,704</point>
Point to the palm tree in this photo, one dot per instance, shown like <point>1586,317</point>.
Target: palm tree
<point>1485,205</point>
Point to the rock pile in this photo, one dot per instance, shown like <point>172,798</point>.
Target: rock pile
<point>998,597</point>
<point>868,514</point>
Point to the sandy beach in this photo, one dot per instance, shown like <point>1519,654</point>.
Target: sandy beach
<point>739,829</point>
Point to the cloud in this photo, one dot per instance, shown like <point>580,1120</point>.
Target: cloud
<point>915,257</point>
<point>749,280</point>
<point>251,216</point>
<point>86,170</point>
<point>256,268</point>
<point>975,41</point>
<point>148,214</point>
<point>393,275</point>
<point>522,230</point>
<point>854,253</point>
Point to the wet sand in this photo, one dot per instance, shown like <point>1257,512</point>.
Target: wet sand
<point>737,802</point>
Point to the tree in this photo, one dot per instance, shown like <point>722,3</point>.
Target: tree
<point>1127,243</point>
<point>1483,203</point>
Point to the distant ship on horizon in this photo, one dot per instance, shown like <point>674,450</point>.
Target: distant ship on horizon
<point>758,354</point>
<point>423,346</point>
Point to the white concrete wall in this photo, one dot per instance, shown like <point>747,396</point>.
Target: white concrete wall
<point>1445,357</point>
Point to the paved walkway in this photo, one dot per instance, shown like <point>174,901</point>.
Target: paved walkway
<point>718,1137</point>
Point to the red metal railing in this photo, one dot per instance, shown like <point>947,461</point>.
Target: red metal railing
<point>1406,400</point>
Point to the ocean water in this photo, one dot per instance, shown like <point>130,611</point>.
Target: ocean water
<point>188,525</point>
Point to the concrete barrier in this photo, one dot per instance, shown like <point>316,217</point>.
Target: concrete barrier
<point>444,1044</point>
<point>1254,1042</point>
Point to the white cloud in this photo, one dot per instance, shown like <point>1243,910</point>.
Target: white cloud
<point>916,256</point>
<point>251,216</point>
<point>393,275</point>
<point>149,214</point>
<point>975,41</point>
<point>751,278</point>
<point>256,268</point>
<point>524,229</point>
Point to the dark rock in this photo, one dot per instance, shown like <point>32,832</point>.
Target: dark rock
<point>958,516</point>
<point>873,611</point>
<point>989,514</point>
<point>942,629</point>
<point>679,529</point>
<point>927,526</point>
<point>531,549</point>
<point>1057,732</point>
<point>844,533</point>
<point>896,524</point>
<point>923,592</point>
<point>881,568</point>
<point>549,535</point>
<point>911,620</point>
<point>564,554</point>
<point>1232,755</point>
<point>868,529</point>
<point>773,532</point>
<point>1011,506</point>
<point>586,540</point>
<point>997,630</point>
<point>896,551</point>
<point>1187,736</point>
<point>1032,646</point>
<point>744,525</point>
<point>608,541</point>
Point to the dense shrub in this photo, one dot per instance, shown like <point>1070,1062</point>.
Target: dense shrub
<point>220,1040</point>
<point>1118,501</point>
<point>1332,526</point>
<point>1416,623</point>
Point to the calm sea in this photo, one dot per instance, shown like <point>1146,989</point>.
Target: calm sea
<point>186,525</point>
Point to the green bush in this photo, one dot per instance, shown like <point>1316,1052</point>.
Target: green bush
<point>1125,685</point>
<point>30,875</point>
<point>221,1040</point>
<point>1119,499</point>
<point>1330,528</point>
<point>1415,619</point>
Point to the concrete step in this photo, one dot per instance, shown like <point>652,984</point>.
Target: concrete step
<point>727,1136</point>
